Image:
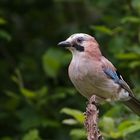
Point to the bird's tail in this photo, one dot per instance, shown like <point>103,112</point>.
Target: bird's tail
<point>134,105</point>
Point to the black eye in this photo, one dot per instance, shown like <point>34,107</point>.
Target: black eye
<point>80,39</point>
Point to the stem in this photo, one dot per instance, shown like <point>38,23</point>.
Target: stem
<point>91,121</point>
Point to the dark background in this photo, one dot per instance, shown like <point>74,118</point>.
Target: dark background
<point>37,99</point>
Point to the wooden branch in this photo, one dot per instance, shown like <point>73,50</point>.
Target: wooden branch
<point>91,121</point>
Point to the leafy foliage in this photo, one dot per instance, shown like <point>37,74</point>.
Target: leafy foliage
<point>38,101</point>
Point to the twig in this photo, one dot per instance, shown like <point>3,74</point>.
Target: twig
<point>91,121</point>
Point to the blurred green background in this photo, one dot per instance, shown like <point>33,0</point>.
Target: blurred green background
<point>37,99</point>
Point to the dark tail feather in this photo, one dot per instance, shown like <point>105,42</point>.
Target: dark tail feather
<point>134,105</point>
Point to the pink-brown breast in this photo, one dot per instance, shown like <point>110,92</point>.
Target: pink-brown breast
<point>89,79</point>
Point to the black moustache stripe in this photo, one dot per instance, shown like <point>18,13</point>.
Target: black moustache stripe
<point>79,47</point>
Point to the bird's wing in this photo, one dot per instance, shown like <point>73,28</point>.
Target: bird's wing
<point>112,73</point>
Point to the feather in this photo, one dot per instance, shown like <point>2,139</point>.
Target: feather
<point>113,74</point>
<point>117,78</point>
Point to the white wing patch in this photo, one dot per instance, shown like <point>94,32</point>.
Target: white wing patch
<point>123,95</point>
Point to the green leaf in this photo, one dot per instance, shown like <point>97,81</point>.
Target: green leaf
<point>136,5</point>
<point>78,134</point>
<point>30,118</point>
<point>78,115</point>
<point>131,129</point>
<point>5,35</point>
<point>125,129</point>
<point>2,21</point>
<point>28,93</point>
<point>102,29</point>
<point>42,91</point>
<point>11,94</point>
<point>128,56</point>
<point>115,135</point>
<point>52,60</point>
<point>32,135</point>
<point>130,19</point>
<point>6,138</point>
<point>110,124</point>
<point>114,112</point>
<point>69,121</point>
<point>13,100</point>
<point>134,64</point>
<point>125,124</point>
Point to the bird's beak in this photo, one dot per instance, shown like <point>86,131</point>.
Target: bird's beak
<point>64,44</point>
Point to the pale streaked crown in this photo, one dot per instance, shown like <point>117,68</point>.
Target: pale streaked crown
<point>79,36</point>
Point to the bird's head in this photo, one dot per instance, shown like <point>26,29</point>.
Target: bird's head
<point>79,42</point>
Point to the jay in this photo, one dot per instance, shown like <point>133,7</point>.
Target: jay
<point>93,74</point>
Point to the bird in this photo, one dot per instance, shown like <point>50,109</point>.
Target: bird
<point>93,74</point>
